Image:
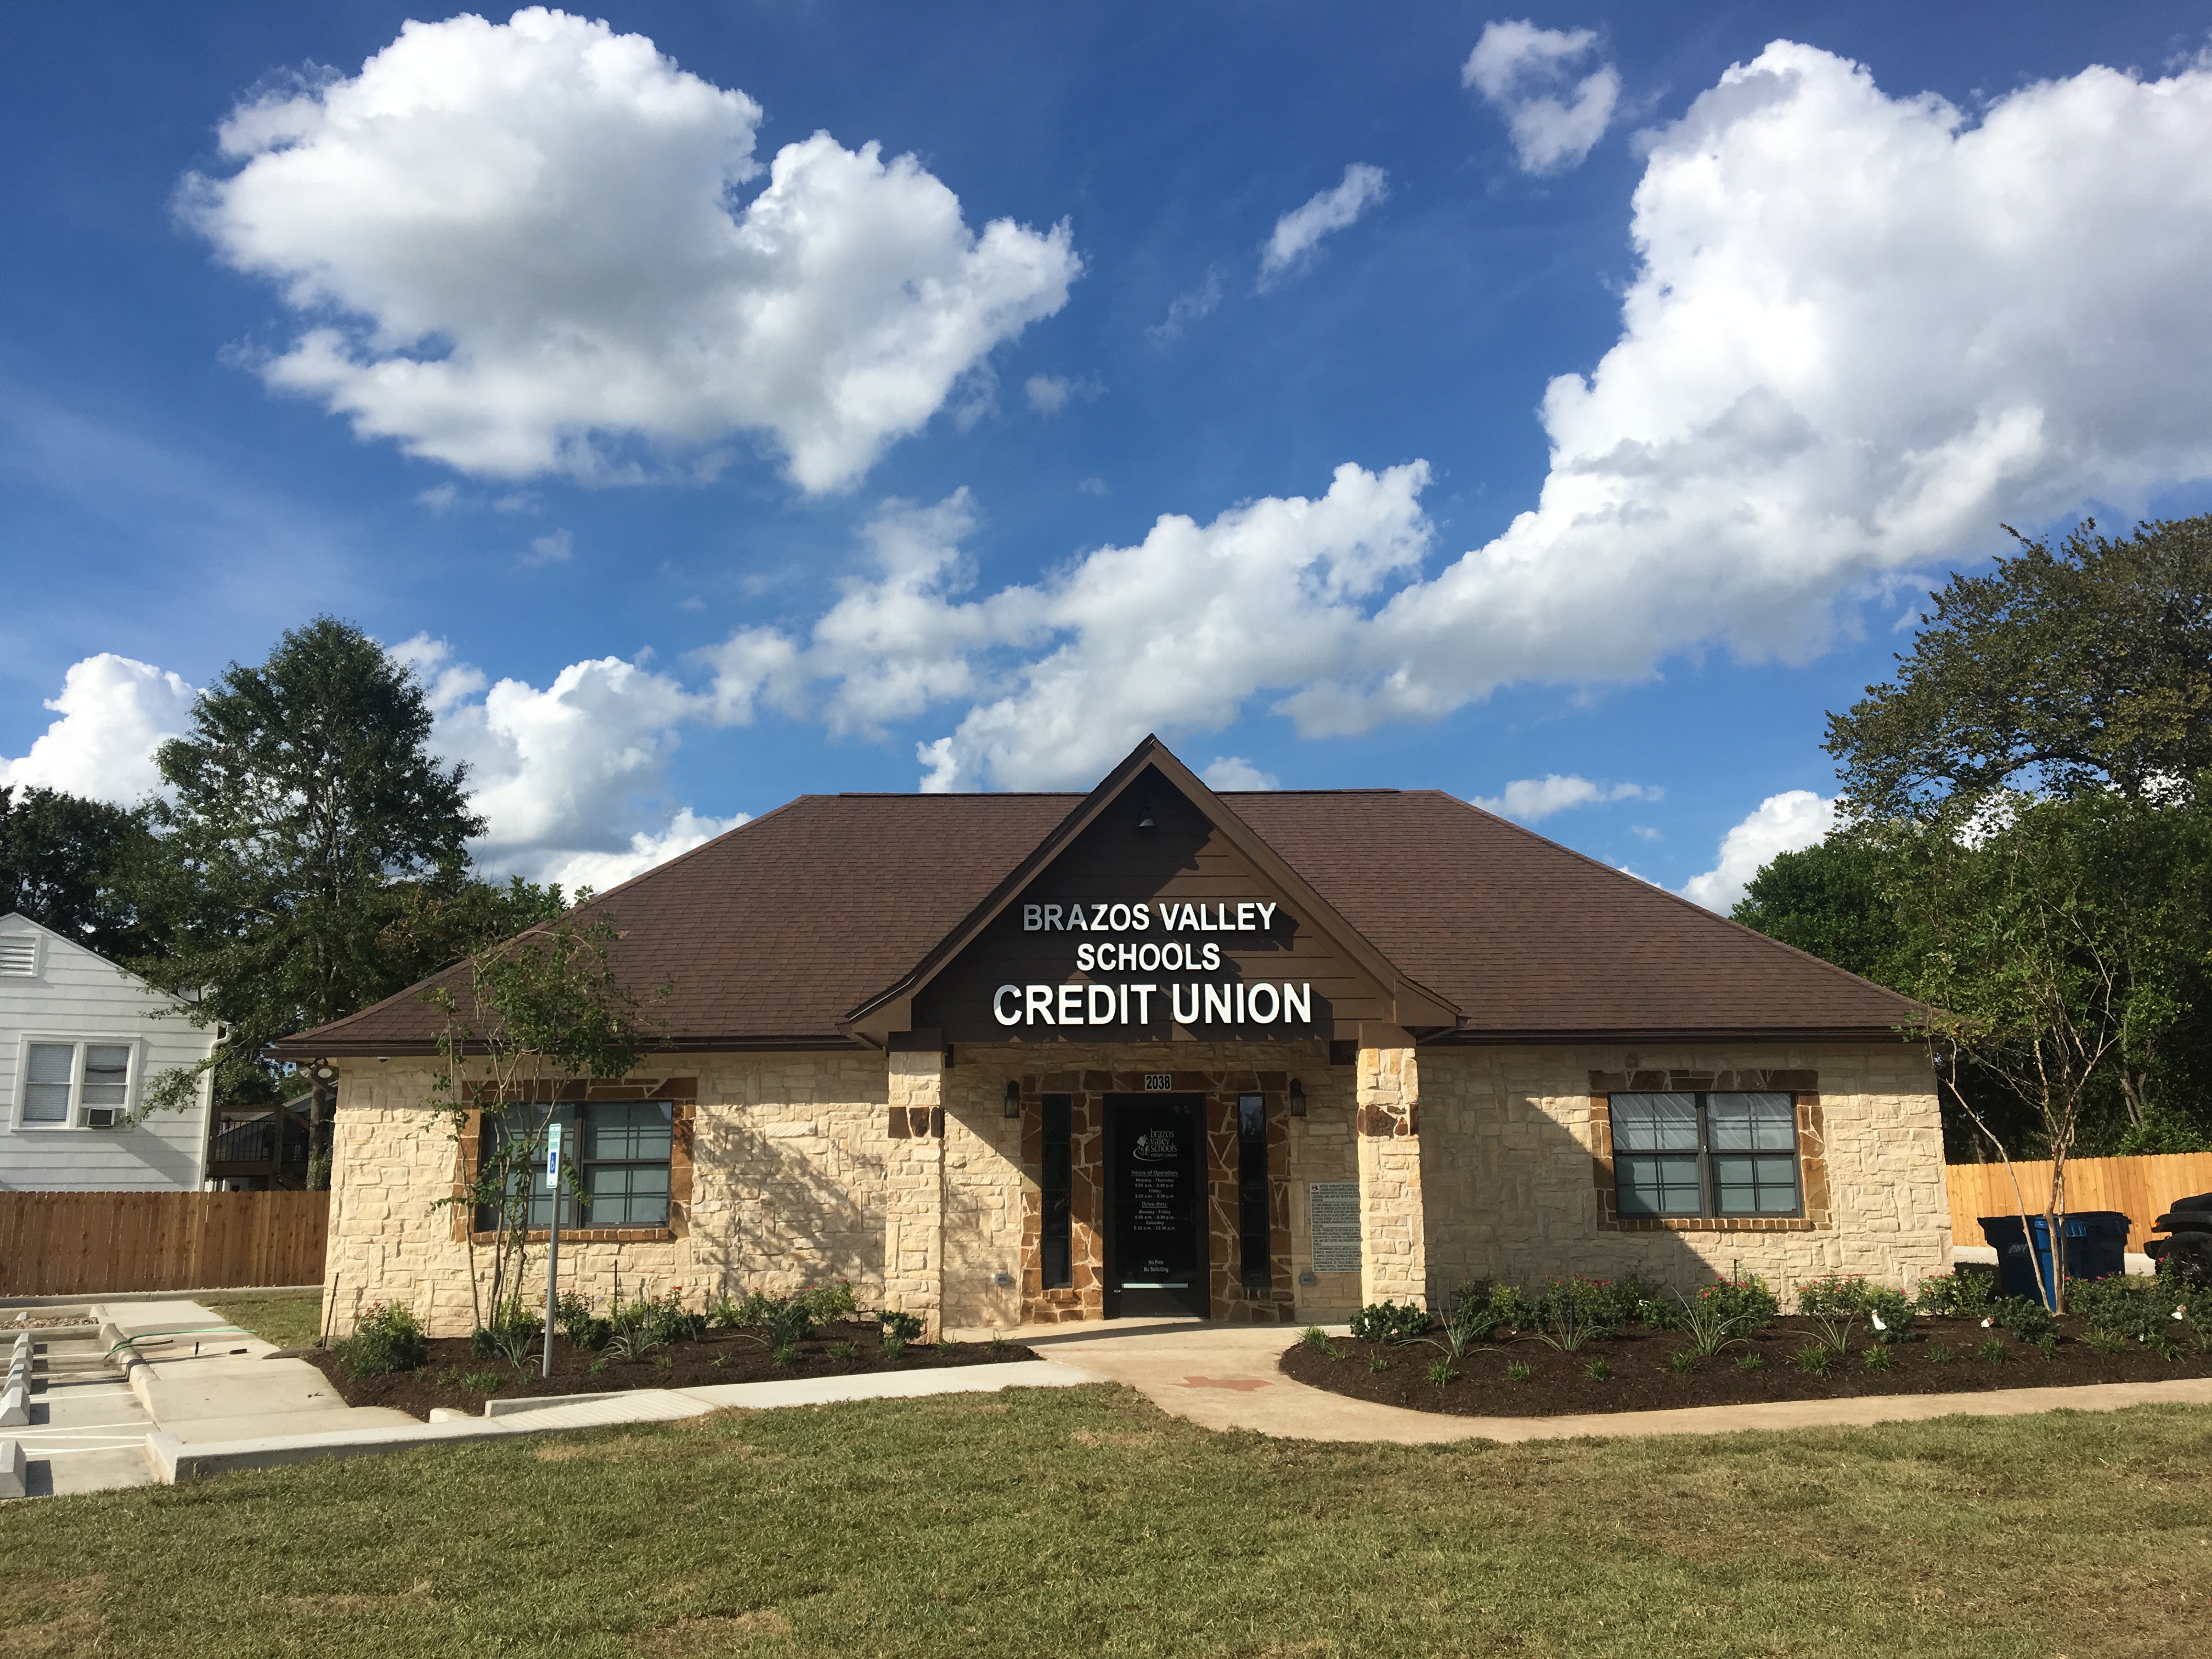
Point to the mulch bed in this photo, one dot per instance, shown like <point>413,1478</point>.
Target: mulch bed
<point>1557,1385</point>
<point>455,1377</point>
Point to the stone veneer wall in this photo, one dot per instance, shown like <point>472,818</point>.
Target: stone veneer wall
<point>802,1172</point>
<point>791,1156</point>
<point>1513,1151</point>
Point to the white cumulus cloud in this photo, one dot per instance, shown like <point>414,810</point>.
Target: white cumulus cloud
<point>1787,822</point>
<point>1235,772</point>
<point>519,245</point>
<point>1531,800</point>
<point>1865,330</point>
<point>1050,393</point>
<point>600,871</point>
<point>1527,75</point>
<point>1299,232</point>
<point>1062,676</point>
<point>564,776</point>
<point>115,712</point>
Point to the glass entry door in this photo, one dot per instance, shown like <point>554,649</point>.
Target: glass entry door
<point>1155,1204</point>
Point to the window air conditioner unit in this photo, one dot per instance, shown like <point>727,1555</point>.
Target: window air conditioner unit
<point>102,1117</point>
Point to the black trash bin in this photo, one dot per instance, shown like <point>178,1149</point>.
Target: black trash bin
<point>2096,1247</point>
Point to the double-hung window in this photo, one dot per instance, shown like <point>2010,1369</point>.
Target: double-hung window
<point>1706,1154</point>
<point>84,1084</point>
<point>617,1153</point>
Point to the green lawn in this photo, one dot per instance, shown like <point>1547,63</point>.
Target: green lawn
<point>291,1319</point>
<point>1084,1521</point>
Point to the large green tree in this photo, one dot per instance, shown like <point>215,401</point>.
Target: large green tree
<point>68,864</point>
<point>2083,666</point>
<point>1827,901</point>
<point>313,852</point>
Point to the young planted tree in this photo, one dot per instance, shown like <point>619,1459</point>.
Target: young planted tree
<point>530,1023</point>
<point>2047,963</point>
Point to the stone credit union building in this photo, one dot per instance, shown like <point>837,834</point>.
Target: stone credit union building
<point>1010,1058</point>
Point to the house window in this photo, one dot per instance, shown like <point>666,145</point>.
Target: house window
<point>1056,1181</point>
<point>1252,1191</point>
<point>619,1152</point>
<point>1711,1154</point>
<point>65,1081</point>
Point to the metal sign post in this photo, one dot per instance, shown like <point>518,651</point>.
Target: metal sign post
<point>553,1238</point>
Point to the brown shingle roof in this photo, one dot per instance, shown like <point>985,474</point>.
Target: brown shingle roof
<point>773,933</point>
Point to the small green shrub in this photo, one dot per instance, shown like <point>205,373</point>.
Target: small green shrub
<point>1964,1293</point>
<point>827,1304</point>
<point>1657,1313</point>
<point>1316,1339</point>
<point>2027,1320</point>
<point>666,1361</point>
<point>1514,1311</point>
<point>894,1345</point>
<point>722,1311</point>
<point>1598,1371</point>
<point>2105,1342</point>
<point>573,1313</point>
<point>510,1336</point>
<point>1441,1374</point>
<point>1877,1359</point>
<point>1751,1362</point>
<point>1835,1294</point>
<point>1938,1354</point>
<point>997,1344</point>
<point>2047,1344</point>
<point>1376,1364</point>
<point>1744,1303</point>
<point>785,1354</point>
<point>1681,1362</point>
<point>1390,1322</point>
<point>1813,1361</point>
<point>482,1382</point>
<point>2122,1305</point>
<point>1516,1372</point>
<point>905,1326</point>
<point>1993,1351</point>
<point>388,1339</point>
<point>841,1351</point>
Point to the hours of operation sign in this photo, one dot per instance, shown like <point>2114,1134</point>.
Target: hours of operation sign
<point>1335,1227</point>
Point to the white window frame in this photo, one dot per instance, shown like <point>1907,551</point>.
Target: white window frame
<point>75,1121</point>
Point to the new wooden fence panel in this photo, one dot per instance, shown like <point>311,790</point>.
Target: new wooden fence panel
<point>2140,1188</point>
<point>85,1243</point>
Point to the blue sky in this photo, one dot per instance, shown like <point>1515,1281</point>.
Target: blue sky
<point>700,472</point>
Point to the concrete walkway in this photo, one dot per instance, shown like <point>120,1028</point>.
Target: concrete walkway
<point>87,1430</point>
<point>1224,1377</point>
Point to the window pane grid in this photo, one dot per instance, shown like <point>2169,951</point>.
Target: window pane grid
<point>60,1079</point>
<point>1719,1154</point>
<point>617,1153</point>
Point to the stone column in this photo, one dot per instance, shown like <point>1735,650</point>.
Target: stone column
<point>913,1185</point>
<point>1394,1256</point>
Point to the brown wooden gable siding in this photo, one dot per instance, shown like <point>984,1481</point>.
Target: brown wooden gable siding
<point>1183,859</point>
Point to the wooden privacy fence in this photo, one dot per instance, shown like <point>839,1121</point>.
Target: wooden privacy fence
<point>2140,1188</point>
<point>84,1244</point>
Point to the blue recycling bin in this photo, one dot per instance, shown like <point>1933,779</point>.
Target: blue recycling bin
<point>2096,1247</point>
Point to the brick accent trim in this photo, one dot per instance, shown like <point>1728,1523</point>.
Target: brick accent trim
<point>916,1123</point>
<point>1381,1121</point>
<point>1812,1151</point>
<point>682,1094</point>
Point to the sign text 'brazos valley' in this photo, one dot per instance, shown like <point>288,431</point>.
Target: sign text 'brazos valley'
<point>1228,1002</point>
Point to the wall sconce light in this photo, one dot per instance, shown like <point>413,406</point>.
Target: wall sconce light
<point>1013,1097</point>
<point>1298,1097</point>
<point>1145,821</point>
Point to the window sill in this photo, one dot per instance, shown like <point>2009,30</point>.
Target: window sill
<point>1713,1223</point>
<point>589,1236</point>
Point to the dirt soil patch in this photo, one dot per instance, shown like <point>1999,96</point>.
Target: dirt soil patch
<point>456,1376</point>
<point>1946,1357</point>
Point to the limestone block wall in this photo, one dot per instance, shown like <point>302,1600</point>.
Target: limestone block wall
<point>789,1155</point>
<point>1511,1146</point>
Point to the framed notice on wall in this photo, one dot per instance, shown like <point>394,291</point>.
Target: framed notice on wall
<point>1335,1227</point>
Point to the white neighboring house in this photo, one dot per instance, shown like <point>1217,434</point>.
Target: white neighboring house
<point>80,1041</point>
